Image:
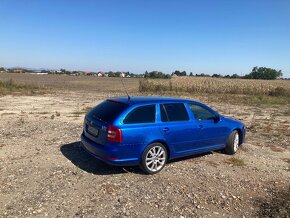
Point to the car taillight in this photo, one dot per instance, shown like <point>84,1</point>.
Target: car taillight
<point>114,134</point>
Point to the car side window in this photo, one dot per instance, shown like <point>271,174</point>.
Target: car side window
<point>143,114</point>
<point>201,113</point>
<point>173,112</point>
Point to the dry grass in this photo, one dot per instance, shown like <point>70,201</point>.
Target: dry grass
<point>287,112</point>
<point>218,86</point>
<point>11,88</point>
<point>77,113</point>
<point>277,149</point>
<point>235,162</point>
<point>5,114</point>
<point>74,83</point>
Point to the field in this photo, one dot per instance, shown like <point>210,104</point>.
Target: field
<point>45,173</point>
<point>72,83</point>
<point>247,91</point>
<point>220,85</point>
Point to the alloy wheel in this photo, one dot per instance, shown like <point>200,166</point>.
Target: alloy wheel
<point>155,158</point>
<point>236,142</point>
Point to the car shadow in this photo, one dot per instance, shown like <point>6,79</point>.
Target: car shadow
<point>83,160</point>
<point>191,157</point>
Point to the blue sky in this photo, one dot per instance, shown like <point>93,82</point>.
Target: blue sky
<point>202,36</point>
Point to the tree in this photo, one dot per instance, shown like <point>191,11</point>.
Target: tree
<point>216,75</point>
<point>191,74</point>
<point>235,76</point>
<point>202,75</point>
<point>178,73</point>
<point>156,75</point>
<point>264,73</point>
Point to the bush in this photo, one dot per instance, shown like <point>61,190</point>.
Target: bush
<point>279,91</point>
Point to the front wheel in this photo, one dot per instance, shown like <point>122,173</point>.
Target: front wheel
<point>233,143</point>
<point>154,158</point>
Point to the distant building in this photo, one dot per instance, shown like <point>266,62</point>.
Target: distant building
<point>37,73</point>
<point>90,74</point>
<point>122,74</point>
<point>18,70</point>
<point>100,74</point>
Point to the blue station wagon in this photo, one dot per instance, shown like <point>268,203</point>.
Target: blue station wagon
<point>149,131</point>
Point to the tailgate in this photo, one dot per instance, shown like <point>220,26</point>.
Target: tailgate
<point>96,130</point>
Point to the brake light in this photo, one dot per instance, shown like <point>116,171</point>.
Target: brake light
<point>114,134</point>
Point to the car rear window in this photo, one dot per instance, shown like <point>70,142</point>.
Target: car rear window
<point>108,110</point>
<point>173,112</point>
<point>143,114</point>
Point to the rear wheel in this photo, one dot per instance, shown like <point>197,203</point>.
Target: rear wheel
<point>233,143</point>
<point>154,158</point>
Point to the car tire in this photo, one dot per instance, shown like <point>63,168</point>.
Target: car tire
<point>233,143</point>
<point>154,158</point>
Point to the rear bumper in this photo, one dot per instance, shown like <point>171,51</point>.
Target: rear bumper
<point>108,154</point>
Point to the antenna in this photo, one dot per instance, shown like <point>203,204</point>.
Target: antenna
<point>125,89</point>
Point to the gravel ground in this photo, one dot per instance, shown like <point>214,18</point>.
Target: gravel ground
<point>44,172</point>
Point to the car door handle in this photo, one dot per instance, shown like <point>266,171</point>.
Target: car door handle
<point>200,126</point>
<point>165,129</point>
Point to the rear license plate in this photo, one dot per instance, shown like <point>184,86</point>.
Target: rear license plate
<point>93,130</point>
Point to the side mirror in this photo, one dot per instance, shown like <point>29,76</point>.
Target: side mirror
<point>217,118</point>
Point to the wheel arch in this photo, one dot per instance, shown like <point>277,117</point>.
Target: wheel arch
<point>240,135</point>
<point>164,144</point>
